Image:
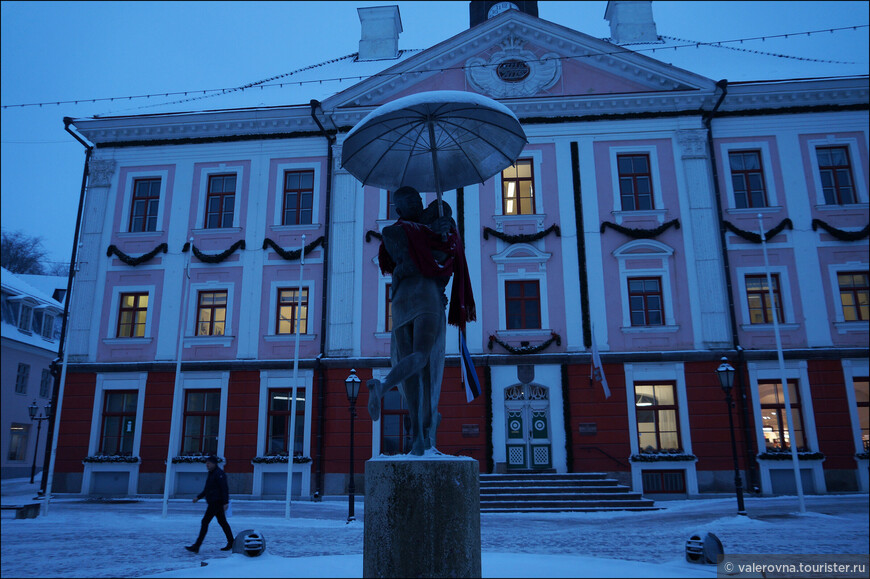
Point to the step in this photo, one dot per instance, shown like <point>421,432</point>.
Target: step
<point>516,497</point>
<point>552,483</point>
<point>567,509</point>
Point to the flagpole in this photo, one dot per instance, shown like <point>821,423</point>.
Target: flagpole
<point>788,418</point>
<point>173,438</point>
<point>291,437</point>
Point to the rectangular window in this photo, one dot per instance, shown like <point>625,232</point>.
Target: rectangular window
<point>24,320</point>
<point>854,295</point>
<point>518,189</point>
<point>391,206</point>
<point>22,378</point>
<point>758,298</point>
<point>658,428</point>
<point>388,308</point>
<point>132,315</point>
<point>48,326</point>
<point>201,422</point>
<point>119,422</point>
<point>664,481</point>
<point>220,202</point>
<point>211,316</point>
<point>646,305</point>
<point>144,205</point>
<point>18,434</point>
<point>835,172</point>
<point>288,302</point>
<point>773,418</point>
<point>523,305</point>
<point>635,182</point>
<point>298,197</point>
<point>278,429</point>
<point>747,178</point>
<point>862,400</point>
<point>45,384</point>
<point>395,424</point>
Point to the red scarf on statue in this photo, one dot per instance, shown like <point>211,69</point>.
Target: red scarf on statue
<point>421,241</point>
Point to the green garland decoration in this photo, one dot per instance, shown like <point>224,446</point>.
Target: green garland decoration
<point>294,254</point>
<point>134,261</point>
<point>842,234</point>
<point>662,456</point>
<point>110,458</point>
<point>802,455</point>
<point>217,258</point>
<point>756,238</point>
<point>642,233</point>
<point>192,458</point>
<point>371,233</point>
<point>280,459</point>
<point>522,238</point>
<point>554,337</point>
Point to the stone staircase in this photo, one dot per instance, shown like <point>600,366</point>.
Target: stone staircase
<point>552,492</point>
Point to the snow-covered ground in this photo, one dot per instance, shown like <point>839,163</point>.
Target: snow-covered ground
<point>131,539</point>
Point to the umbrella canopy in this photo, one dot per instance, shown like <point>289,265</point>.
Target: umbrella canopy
<point>433,141</point>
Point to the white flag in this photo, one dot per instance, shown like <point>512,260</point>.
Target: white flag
<point>597,369</point>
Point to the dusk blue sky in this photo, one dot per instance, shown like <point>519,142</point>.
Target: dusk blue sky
<point>59,51</point>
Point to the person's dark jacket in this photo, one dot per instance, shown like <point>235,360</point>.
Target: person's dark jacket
<point>216,491</point>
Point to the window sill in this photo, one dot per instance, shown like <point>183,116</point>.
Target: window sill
<point>649,329</point>
<point>536,218</point>
<point>217,230</point>
<point>290,337</point>
<point>767,327</point>
<point>521,334</point>
<point>383,335</point>
<point>134,234</point>
<point>752,211</point>
<point>659,214</point>
<point>128,341</point>
<point>846,327</point>
<point>224,341</point>
<point>301,227</point>
<point>841,207</point>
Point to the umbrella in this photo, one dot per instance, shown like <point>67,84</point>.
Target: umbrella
<point>433,141</point>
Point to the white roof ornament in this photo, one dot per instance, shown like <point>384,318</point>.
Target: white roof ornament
<point>631,21</point>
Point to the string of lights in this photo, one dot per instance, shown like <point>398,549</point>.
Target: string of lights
<point>269,82</point>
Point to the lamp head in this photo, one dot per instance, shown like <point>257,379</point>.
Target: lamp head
<point>351,384</point>
<point>726,373</point>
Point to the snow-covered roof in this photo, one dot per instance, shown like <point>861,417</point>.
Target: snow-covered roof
<point>47,284</point>
<point>17,288</point>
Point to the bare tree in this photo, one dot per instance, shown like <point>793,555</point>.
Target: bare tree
<point>22,253</point>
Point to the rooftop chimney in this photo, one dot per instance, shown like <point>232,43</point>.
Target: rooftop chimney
<point>631,21</point>
<point>381,26</point>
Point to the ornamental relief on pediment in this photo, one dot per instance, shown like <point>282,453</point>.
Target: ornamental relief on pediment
<point>513,71</point>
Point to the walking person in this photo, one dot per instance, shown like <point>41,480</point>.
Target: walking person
<point>217,495</point>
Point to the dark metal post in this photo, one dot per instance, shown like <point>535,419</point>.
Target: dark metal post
<point>726,372</point>
<point>35,448</point>
<point>351,487</point>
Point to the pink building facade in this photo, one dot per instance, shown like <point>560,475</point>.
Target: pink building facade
<point>635,227</point>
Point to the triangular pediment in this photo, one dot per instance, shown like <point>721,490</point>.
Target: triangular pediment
<point>517,56</point>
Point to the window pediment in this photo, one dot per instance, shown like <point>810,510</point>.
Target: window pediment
<point>643,248</point>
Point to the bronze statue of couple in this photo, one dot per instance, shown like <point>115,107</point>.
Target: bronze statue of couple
<point>421,251</point>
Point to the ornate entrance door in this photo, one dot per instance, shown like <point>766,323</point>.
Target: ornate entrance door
<point>527,412</point>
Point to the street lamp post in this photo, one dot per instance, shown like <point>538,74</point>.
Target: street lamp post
<point>34,409</point>
<point>726,372</point>
<point>352,385</point>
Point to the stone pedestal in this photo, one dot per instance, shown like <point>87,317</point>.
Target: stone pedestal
<point>422,517</point>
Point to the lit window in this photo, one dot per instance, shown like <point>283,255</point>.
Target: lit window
<point>119,422</point>
<point>132,315</point>
<point>522,305</point>
<point>279,423</point>
<point>518,190</point>
<point>21,378</point>
<point>758,298</point>
<point>645,302</point>
<point>747,178</point>
<point>145,204</point>
<point>220,202</point>
<point>773,417</point>
<point>288,302</point>
<point>298,197</point>
<point>835,171</point>
<point>211,315</point>
<point>658,426</point>
<point>854,295</point>
<point>201,422</point>
<point>635,182</point>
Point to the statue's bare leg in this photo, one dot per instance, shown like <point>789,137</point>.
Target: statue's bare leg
<point>376,392</point>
